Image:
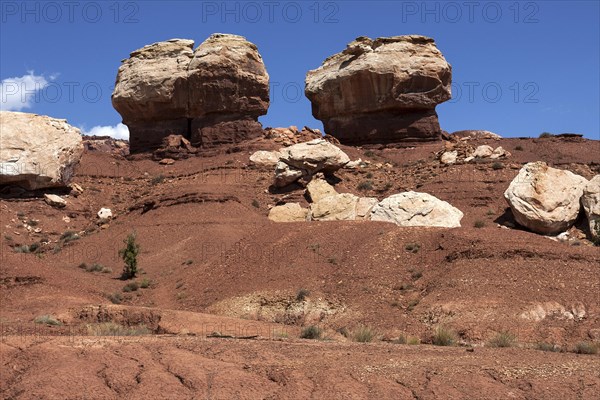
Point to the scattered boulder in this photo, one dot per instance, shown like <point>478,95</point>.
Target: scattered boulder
<point>364,206</point>
<point>590,200</point>
<point>355,164</point>
<point>212,95</point>
<point>318,188</point>
<point>381,91</point>
<point>289,212</point>
<point>449,157</point>
<point>338,207</point>
<point>76,190</point>
<point>306,159</point>
<point>476,135</point>
<point>37,151</point>
<point>544,199</point>
<point>263,158</point>
<point>499,152</point>
<point>105,215</point>
<point>167,161</point>
<point>55,201</point>
<point>174,147</point>
<point>417,209</point>
<point>483,151</point>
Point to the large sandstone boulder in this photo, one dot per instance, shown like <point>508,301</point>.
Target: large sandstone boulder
<point>544,199</point>
<point>590,200</point>
<point>381,91</point>
<point>337,207</point>
<point>417,209</point>
<point>306,159</point>
<point>37,151</point>
<point>318,188</point>
<point>289,212</point>
<point>212,95</point>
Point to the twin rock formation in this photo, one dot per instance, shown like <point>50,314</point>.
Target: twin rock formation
<point>375,91</point>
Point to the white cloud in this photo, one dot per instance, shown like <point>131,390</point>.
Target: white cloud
<point>19,92</point>
<point>118,131</point>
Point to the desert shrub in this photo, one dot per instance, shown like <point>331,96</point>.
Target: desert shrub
<point>255,203</point>
<point>416,275</point>
<point>413,341</point>
<point>412,247</point>
<point>369,175</point>
<point>412,304</point>
<point>157,179</point>
<point>479,224</point>
<point>544,346</point>
<point>20,214</point>
<point>490,213</point>
<point>596,236</point>
<point>545,135</point>
<point>47,319</point>
<point>129,255</point>
<point>302,294</point>
<point>112,329</point>
<point>22,249</point>
<point>145,283</point>
<point>444,336</point>
<point>502,339</point>
<point>519,148</point>
<point>188,262</point>
<point>365,185</point>
<point>401,339</point>
<point>370,153</point>
<point>343,331</point>
<point>586,348</point>
<point>363,334</point>
<point>32,222</point>
<point>497,165</point>
<point>69,236</point>
<point>8,238</point>
<point>131,287</point>
<point>115,298</point>
<point>311,332</point>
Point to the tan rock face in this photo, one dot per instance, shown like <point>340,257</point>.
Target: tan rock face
<point>544,199</point>
<point>417,209</point>
<point>382,90</point>
<point>318,189</point>
<point>290,212</point>
<point>212,95</point>
<point>590,200</point>
<point>37,151</point>
<point>338,207</point>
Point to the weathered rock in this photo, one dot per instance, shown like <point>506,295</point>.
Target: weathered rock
<point>544,199</point>
<point>338,207</point>
<point>289,212</point>
<point>105,214</point>
<point>364,206</point>
<point>55,201</point>
<point>314,156</point>
<point>417,209</point>
<point>476,135</point>
<point>499,152</point>
<point>319,188</point>
<point>381,91</point>
<point>212,95</point>
<point>590,200</point>
<point>263,158</point>
<point>76,190</point>
<point>174,147</point>
<point>37,151</point>
<point>483,151</point>
<point>286,174</point>
<point>449,157</point>
<point>167,161</point>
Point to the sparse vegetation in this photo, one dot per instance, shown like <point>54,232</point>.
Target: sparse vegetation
<point>369,175</point>
<point>401,340</point>
<point>188,262</point>
<point>302,294</point>
<point>8,238</point>
<point>519,148</point>
<point>502,339</point>
<point>48,320</point>
<point>544,346</point>
<point>332,260</point>
<point>497,165</point>
<point>95,268</point>
<point>112,329</point>
<point>412,247</point>
<point>416,275</point>
<point>311,332</point>
<point>20,214</point>
<point>32,222</point>
<point>115,298</point>
<point>545,135</point>
<point>69,236</point>
<point>370,153</point>
<point>129,255</point>
<point>444,336</point>
<point>490,212</point>
<point>365,185</point>
<point>255,203</point>
<point>363,334</point>
<point>596,236</point>
<point>157,180</point>
<point>412,304</point>
<point>586,348</point>
<point>479,224</point>
<point>145,283</point>
<point>131,287</point>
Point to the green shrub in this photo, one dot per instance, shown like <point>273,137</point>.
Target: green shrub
<point>47,319</point>
<point>444,336</point>
<point>369,175</point>
<point>311,332</point>
<point>145,283</point>
<point>502,339</point>
<point>129,255</point>
<point>131,287</point>
<point>115,298</point>
<point>157,179</point>
<point>412,247</point>
<point>586,348</point>
<point>302,294</point>
<point>255,203</point>
<point>365,185</point>
<point>401,340</point>
<point>363,334</point>
<point>497,165</point>
<point>69,236</point>
<point>479,224</point>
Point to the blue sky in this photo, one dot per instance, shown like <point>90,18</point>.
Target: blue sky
<point>519,68</point>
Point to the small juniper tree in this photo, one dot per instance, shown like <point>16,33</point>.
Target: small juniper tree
<point>129,255</point>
